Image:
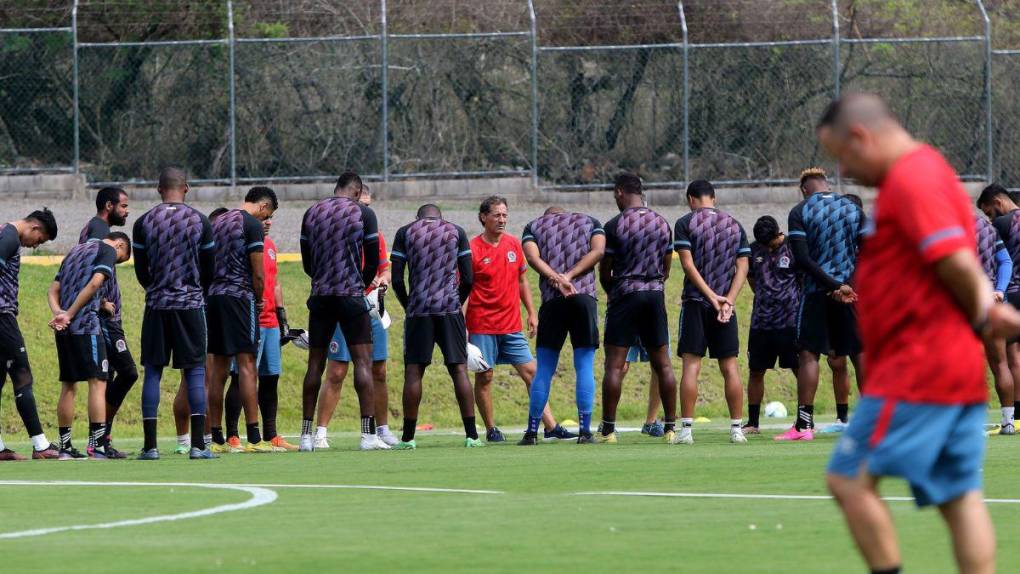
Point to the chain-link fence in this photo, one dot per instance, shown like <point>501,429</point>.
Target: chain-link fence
<point>567,92</point>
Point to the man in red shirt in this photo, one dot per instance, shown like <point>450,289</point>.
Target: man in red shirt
<point>494,314</point>
<point>924,304</point>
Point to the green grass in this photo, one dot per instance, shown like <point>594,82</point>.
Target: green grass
<point>438,404</point>
<point>535,524</point>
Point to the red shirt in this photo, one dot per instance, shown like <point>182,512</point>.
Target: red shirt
<point>268,316</point>
<point>494,307</point>
<point>918,345</point>
<point>384,261</point>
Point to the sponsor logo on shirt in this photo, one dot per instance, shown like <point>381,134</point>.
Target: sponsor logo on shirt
<point>486,261</point>
<point>759,259</point>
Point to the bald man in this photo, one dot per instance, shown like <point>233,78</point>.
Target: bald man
<point>925,305</point>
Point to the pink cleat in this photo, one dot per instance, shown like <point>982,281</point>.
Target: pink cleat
<point>793,434</point>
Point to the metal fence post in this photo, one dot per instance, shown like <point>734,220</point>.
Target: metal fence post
<point>989,123</point>
<point>835,48</point>
<point>233,95</point>
<point>385,94</point>
<point>534,94</point>
<point>74,87</point>
<point>687,92</point>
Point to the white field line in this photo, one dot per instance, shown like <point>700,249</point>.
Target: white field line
<point>759,496</point>
<point>373,487</point>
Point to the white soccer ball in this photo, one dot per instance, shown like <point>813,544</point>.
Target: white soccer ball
<point>775,409</point>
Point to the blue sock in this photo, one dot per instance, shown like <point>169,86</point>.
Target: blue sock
<point>197,399</point>
<point>150,391</point>
<point>584,367</point>
<point>547,361</point>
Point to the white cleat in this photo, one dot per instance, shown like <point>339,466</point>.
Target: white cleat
<point>321,443</point>
<point>387,437</point>
<point>373,442</point>
<point>737,436</point>
<point>684,435</point>
<point>305,445</point>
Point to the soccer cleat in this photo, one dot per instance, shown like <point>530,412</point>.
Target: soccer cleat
<point>96,453</point>
<point>305,444</point>
<point>218,448</point>
<point>387,437</point>
<point>748,429</point>
<point>182,448</point>
<point>610,438</point>
<point>280,445</point>
<point>654,429</point>
<point>321,443</point>
<point>473,443</point>
<point>113,453</point>
<point>151,454</point>
<point>528,440</point>
<point>585,438</point>
<point>737,436</point>
<point>51,452</point>
<point>684,436</point>
<point>261,446</point>
<point>401,445</point>
<point>793,434</point>
<point>669,436</point>
<point>71,454</point>
<point>559,433</point>
<point>197,454</point>
<point>8,454</point>
<point>1007,429</point>
<point>372,442</point>
<point>494,435</point>
<point>234,444</point>
<point>836,427</point>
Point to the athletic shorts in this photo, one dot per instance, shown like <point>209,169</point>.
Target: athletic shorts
<point>767,346</point>
<point>326,312</point>
<point>233,325</point>
<point>117,352</point>
<point>268,357</point>
<point>13,356</point>
<point>576,316</point>
<point>81,357</point>
<point>826,326</point>
<point>422,334</point>
<point>937,449</point>
<point>638,317</point>
<point>700,331</point>
<point>509,349</point>
<point>338,350</point>
<point>179,333</point>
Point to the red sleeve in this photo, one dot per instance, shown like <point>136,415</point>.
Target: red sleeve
<point>384,258</point>
<point>520,256</point>
<point>926,205</point>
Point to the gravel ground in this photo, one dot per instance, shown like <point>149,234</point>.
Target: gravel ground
<point>73,214</point>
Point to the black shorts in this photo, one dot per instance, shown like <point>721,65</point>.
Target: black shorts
<point>117,351</point>
<point>701,331</point>
<point>13,356</point>
<point>422,334</point>
<point>638,317</point>
<point>577,315</point>
<point>233,325</point>
<point>827,327</point>
<point>81,357</point>
<point>766,346</point>
<point>179,333</point>
<point>325,312</point>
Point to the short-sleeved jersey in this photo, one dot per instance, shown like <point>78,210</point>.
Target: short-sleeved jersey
<point>172,235</point>
<point>918,342</point>
<point>335,229</point>
<point>97,230</point>
<point>494,306</point>
<point>268,318</point>
<point>831,225</point>
<point>638,240</point>
<point>10,266</point>
<point>715,240</point>
<point>76,271</point>
<point>776,287</point>
<point>237,235</point>
<point>563,239</point>
<point>1008,227</point>
<point>988,243</point>
<point>431,248</point>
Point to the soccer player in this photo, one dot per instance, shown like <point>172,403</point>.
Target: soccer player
<point>437,257</point>
<point>923,299</point>
<point>773,335</point>
<point>74,300</point>
<point>633,272</point>
<point>999,269</point>
<point>340,252</point>
<point>339,357</point>
<point>233,310</point>
<point>174,262</point>
<point>494,314</point>
<point>39,227</point>
<point>564,249</point>
<point>825,232</point>
<point>714,253</point>
<point>112,211</point>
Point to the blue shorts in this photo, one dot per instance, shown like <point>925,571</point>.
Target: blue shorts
<point>510,349</point>
<point>937,449</point>
<point>268,357</point>
<point>637,354</point>
<point>338,350</point>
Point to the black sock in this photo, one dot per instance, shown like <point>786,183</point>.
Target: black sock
<point>893,570</point>
<point>805,417</point>
<point>306,426</point>
<point>149,428</point>
<point>753,412</point>
<point>24,400</point>
<point>232,406</point>
<point>97,434</point>
<point>667,425</point>
<point>109,428</point>
<point>198,432</point>
<point>407,435</point>
<point>268,402</point>
<point>842,411</point>
<point>254,437</point>
<point>217,435</point>
<point>470,430</point>
<point>608,427</point>
<point>65,437</point>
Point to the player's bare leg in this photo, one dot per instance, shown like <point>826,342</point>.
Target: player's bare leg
<point>691,369</point>
<point>361,356</point>
<point>381,393</point>
<point>65,420</point>
<point>654,399</point>
<point>995,353</point>
<point>527,373</point>
<point>807,388</point>
<point>612,385</point>
<point>734,392</point>
<point>869,519</point>
<point>755,396</point>
<point>216,373</point>
<point>973,533</point>
<point>1013,361</point>
<point>329,398</point>
<point>840,366</point>
<point>182,418</point>
<point>247,376</point>
<point>483,398</point>
<point>310,393</point>
<point>662,373</point>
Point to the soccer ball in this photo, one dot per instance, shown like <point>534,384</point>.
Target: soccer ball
<point>775,409</point>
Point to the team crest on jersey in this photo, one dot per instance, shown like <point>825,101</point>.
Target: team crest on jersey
<point>106,365</point>
<point>121,345</point>
<point>272,254</point>
<point>784,262</point>
<point>334,346</point>
<point>511,256</point>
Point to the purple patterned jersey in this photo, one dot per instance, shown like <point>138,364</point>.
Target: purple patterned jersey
<point>169,242</point>
<point>10,265</point>
<point>638,240</point>
<point>237,234</point>
<point>333,234</point>
<point>989,243</point>
<point>715,240</point>
<point>81,263</point>
<point>431,248</point>
<point>776,287</point>
<point>1008,227</point>
<point>563,239</point>
<point>97,230</point>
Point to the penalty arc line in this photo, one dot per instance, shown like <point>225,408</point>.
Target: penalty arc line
<point>759,496</point>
